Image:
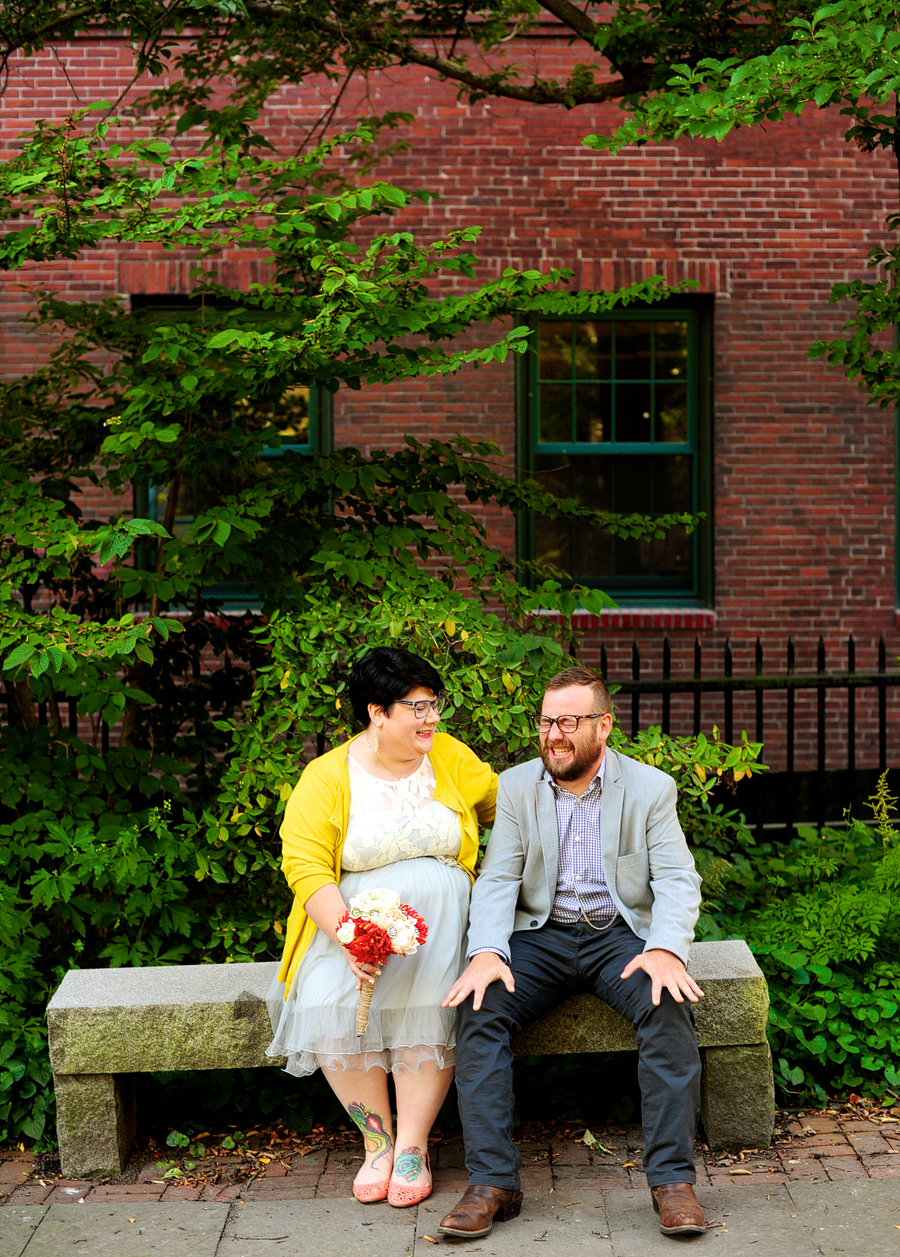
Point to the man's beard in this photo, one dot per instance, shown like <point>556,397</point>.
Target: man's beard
<point>581,761</point>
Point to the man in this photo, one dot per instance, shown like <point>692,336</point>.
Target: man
<point>587,884</point>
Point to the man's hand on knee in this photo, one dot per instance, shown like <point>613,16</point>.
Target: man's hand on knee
<point>480,972</point>
<point>665,970</point>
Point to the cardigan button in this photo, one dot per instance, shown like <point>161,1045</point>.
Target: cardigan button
<point>533,924</point>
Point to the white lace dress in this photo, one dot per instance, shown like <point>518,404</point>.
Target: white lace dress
<point>400,838</point>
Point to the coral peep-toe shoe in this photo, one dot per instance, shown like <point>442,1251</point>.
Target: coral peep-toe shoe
<point>371,1193</point>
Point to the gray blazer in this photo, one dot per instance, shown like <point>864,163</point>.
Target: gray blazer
<point>648,867</point>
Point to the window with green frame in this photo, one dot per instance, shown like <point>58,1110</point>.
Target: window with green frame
<point>616,415</point>
<point>303,417</point>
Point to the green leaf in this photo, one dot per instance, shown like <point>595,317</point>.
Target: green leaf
<point>221,340</point>
<point>21,654</point>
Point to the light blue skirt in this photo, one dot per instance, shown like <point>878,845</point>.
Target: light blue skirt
<point>316,1025</point>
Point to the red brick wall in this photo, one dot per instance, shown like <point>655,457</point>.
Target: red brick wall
<point>766,222</point>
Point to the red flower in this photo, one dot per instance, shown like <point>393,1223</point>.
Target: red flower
<point>371,944</point>
<point>421,927</point>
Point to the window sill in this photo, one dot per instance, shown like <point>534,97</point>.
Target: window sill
<point>697,619</point>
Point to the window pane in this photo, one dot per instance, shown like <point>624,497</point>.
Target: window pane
<point>591,481</point>
<point>614,382</point>
<point>672,555</point>
<point>671,412</point>
<point>632,350</point>
<point>199,494</point>
<point>671,351</point>
<point>592,547</point>
<point>554,543</point>
<point>593,351</point>
<point>593,412</point>
<point>573,546</point>
<point>556,412</point>
<point>292,415</point>
<point>555,350</point>
<point>553,536</point>
<point>633,418</point>
<point>672,483</point>
<point>633,483</point>
<point>552,473</point>
<point>651,484</point>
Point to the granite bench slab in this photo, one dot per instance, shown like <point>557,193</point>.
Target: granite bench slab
<point>105,1025</point>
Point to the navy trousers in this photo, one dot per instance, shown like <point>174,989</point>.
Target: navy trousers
<point>549,964</point>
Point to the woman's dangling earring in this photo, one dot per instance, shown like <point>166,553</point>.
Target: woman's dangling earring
<point>374,744</point>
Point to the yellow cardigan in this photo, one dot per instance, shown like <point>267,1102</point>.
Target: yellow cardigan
<point>315,824</point>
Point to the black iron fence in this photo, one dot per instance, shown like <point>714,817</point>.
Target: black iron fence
<point>774,801</point>
<point>779,800</point>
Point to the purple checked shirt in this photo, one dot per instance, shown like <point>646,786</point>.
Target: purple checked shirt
<point>578,824</point>
<point>581,888</point>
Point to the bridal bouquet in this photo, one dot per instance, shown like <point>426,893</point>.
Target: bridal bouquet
<point>377,925</point>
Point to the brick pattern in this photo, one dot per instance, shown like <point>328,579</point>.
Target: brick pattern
<point>810,1147</point>
<point>765,222</point>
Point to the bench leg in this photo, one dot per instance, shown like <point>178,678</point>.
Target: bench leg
<point>737,1097</point>
<point>95,1123</point>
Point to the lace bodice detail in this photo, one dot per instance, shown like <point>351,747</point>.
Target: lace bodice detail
<point>397,820</point>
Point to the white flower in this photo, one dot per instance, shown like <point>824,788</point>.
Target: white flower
<point>374,901</point>
<point>346,933</point>
<point>404,939</point>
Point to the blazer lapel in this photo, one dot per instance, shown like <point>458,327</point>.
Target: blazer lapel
<point>611,817</point>
<point>547,829</point>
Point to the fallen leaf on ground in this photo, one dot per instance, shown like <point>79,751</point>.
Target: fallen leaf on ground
<point>740,1171</point>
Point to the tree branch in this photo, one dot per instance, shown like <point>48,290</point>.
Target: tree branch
<point>89,10</point>
<point>577,21</point>
<point>539,92</point>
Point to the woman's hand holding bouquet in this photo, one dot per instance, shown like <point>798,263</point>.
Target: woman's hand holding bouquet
<point>377,925</point>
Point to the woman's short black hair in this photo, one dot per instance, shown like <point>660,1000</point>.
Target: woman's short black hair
<point>386,674</point>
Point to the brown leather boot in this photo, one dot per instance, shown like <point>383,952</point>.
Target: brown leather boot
<point>678,1208</point>
<point>479,1208</point>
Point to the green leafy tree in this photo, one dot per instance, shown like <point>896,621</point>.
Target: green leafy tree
<point>844,55</point>
<point>696,68</point>
<point>128,399</point>
<point>484,48</point>
<point>135,840</point>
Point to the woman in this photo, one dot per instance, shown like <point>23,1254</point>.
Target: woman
<point>396,807</point>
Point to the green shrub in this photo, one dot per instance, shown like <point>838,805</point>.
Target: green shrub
<point>821,916</point>
<point>108,860</point>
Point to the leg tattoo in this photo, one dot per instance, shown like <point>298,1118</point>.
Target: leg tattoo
<point>409,1164</point>
<point>375,1137</point>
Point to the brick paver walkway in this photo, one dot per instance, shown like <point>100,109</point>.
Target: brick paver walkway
<point>812,1146</point>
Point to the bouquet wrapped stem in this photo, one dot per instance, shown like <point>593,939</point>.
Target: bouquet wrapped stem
<point>376,925</point>
<point>366,991</point>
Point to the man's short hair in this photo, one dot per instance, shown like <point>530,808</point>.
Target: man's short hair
<point>583,676</point>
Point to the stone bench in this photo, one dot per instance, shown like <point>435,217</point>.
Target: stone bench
<point>106,1025</point>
